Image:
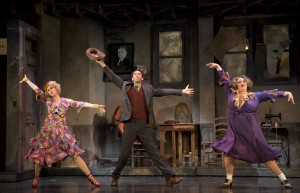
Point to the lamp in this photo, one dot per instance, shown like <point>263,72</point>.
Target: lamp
<point>246,44</point>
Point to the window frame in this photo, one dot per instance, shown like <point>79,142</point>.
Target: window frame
<point>155,67</point>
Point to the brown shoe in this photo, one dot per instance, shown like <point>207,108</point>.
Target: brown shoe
<point>286,184</point>
<point>172,181</point>
<point>228,183</point>
<point>114,182</point>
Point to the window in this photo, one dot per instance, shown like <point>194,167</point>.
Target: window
<point>169,68</point>
<point>262,51</point>
<point>235,59</point>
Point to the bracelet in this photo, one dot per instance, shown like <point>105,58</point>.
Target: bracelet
<point>96,106</point>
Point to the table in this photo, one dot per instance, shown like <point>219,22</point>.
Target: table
<point>179,128</point>
<point>280,131</point>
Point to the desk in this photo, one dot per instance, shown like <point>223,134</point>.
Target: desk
<point>177,127</point>
<point>279,132</point>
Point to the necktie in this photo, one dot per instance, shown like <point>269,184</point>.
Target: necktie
<point>136,88</point>
<point>119,62</point>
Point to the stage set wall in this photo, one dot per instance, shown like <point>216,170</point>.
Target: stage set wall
<point>64,42</point>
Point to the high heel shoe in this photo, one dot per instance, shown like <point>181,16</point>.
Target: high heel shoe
<point>286,184</point>
<point>93,180</point>
<point>227,183</point>
<point>35,181</point>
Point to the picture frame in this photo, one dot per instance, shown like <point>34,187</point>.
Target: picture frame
<point>121,57</point>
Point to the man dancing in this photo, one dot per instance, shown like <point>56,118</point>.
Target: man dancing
<point>138,118</point>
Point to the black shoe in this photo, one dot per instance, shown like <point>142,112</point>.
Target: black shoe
<point>172,181</point>
<point>114,182</point>
<point>227,183</point>
<point>286,184</point>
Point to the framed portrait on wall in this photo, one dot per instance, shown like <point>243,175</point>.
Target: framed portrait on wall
<point>121,57</point>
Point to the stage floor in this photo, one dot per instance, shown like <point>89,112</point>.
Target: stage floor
<point>150,184</point>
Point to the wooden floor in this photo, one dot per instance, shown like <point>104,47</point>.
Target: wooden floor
<point>150,184</point>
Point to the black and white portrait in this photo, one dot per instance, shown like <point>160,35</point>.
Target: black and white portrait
<point>121,58</point>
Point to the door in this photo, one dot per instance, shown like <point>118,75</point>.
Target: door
<point>30,107</point>
<point>23,58</point>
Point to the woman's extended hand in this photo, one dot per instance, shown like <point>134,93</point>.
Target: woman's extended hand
<point>25,79</point>
<point>214,65</point>
<point>101,108</point>
<point>290,97</point>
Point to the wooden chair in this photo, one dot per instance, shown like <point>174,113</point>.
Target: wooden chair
<point>209,156</point>
<point>138,153</point>
<point>184,115</point>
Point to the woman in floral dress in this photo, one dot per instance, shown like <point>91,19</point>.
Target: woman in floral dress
<point>244,139</point>
<point>54,142</point>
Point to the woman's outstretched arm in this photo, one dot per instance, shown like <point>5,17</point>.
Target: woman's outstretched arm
<point>31,84</point>
<point>101,108</point>
<point>214,65</point>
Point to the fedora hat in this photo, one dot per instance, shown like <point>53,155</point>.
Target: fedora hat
<point>94,54</point>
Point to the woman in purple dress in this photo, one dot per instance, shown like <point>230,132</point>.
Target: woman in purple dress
<point>54,142</point>
<point>244,139</point>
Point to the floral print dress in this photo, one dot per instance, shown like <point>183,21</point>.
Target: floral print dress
<point>54,142</point>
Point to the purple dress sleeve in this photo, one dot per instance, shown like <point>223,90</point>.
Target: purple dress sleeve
<point>269,95</point>
<point>224,81</point>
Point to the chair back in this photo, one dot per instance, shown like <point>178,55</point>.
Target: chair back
<point>220,127</point>
<point>183,113</point>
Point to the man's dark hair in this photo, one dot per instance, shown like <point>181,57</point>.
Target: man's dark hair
<point>135,69</point>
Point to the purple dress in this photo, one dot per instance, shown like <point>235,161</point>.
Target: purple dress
<point>244,138</point>
<point>54,141</point>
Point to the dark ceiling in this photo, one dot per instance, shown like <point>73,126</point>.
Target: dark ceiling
<point>111,10</point>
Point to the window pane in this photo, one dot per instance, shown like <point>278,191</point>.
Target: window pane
<point>170,43</point>
<point>276,38</point>
<point>241,31</point>
<point>170,70</point>
<point>235,64</point>
<point>285,65</point>
<point>235,59</point>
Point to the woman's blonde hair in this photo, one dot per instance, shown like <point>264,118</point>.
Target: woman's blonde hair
<point>54,84</point>
<point>43,96</point>
<point>246,78</point>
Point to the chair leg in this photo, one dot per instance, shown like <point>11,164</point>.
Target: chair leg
<point>132,156</point>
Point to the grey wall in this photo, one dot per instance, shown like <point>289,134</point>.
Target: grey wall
<point>50,65</point>
<point>82,80</point>
<point>206,79</point>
